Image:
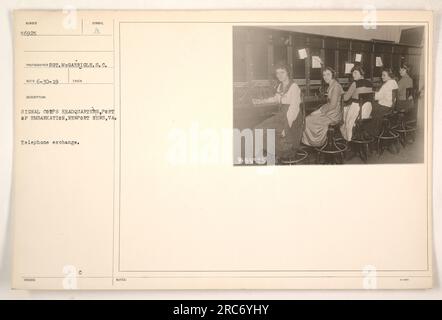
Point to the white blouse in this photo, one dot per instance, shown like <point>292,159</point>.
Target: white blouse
<point>385,94</point>
<point>292,97</point>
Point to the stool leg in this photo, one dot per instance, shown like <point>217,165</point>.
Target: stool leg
<point>397,145</point>
<point>379,147</point>
<point>318,157</point>
<point>364,152</point>
<point>413,136</point>
<point>342,158</point>
<point>360,153</point>
<point>402,135</point>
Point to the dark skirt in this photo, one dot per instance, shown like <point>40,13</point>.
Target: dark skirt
<point>405,105</point>
<point>292,139</point>
<point>378,112</point>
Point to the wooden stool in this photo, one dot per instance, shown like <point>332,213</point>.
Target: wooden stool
<point>332,151</point>
<point>404,129</point>
<point>387,137</point>
<point>361,139</point>
<point>295,157</point>
<point>404,126</point>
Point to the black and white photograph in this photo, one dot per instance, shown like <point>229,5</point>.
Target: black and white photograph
<point>328,94</point>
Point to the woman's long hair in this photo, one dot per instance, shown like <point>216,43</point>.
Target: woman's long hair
<point>284,66</point>
<point>359,69</point>
<point>333,72</point>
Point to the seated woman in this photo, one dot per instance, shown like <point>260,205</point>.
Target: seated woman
<point>351,113</point>
<point>316,124</point>
<point>288,122</point>
<point>404,83</point>
<point>384,101</point>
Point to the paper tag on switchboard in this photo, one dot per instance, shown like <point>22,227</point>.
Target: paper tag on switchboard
<point>349,67</point>
<point>302,53</point>
<point>316,62</point>
<point>379,62</point>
